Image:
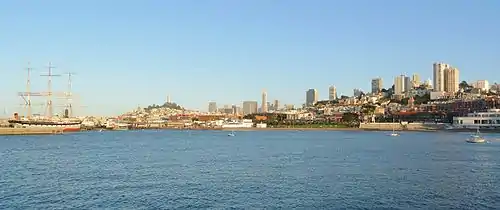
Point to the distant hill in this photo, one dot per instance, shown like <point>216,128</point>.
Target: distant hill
<point>165,105</point>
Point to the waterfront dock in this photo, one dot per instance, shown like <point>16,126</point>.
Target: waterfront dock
<point>30,131</point>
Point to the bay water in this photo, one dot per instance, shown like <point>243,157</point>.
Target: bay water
<point>167,169</point>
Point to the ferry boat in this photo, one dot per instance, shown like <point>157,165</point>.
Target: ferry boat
<point>245,123</point>
<point>479,120</point>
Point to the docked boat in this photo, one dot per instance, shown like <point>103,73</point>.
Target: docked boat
<point>30,120</point>
<point>483,120</point>
<point>67,125</point>
<point>245,123</point>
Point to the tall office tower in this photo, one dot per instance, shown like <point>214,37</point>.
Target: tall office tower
<point>249,107</point>
<point>332,93</point>
<point>212,107</point>
<point>311,97</point>
<point>276,105</point>
<point>377,85</point>
<point>235,109</point>
<point>399,84</point>
<point>451,80</point>
<point>415,79</point>
<point>438,76</point>
<point>264,107</point>
<point>408,84</point>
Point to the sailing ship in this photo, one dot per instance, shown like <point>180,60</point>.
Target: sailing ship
<point>66,122</point>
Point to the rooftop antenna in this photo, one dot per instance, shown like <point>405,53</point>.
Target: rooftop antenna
<point>49,91</point>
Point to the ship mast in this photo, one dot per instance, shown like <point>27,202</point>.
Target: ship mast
<point>28,93</point>
<point>49,91</point>
<point>69,95</point>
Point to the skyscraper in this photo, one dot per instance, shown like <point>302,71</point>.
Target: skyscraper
<point>415,79</point>
<point>264,107</point>
<point>332,93</point>
<point>438,76</point>
<point>276,105</point>
<point>212,107</point>
<point>399,84</point>
<point>408,84</point>
<point>249,107</point>
<point>311,97</point>
<point>377,85</point>
<point>451,80</point>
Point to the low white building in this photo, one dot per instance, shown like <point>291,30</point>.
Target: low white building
<point>245,123</point>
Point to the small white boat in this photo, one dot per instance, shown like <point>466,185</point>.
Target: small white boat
<point>231,134</point>
<point>393,130</point>
<point>476,138</point>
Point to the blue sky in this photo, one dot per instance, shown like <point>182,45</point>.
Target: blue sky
<point>128,53</point>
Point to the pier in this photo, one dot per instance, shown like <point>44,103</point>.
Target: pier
<point>30,131</point>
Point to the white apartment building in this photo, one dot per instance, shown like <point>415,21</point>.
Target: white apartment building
<point>484,85</point>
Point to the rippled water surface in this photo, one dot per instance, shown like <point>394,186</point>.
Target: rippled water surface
<point>268,169</point>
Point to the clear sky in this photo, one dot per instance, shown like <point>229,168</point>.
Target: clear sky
<point>128,53</point>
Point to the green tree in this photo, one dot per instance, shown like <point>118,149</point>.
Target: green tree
<point>350,118</point>
<point>368,109</point>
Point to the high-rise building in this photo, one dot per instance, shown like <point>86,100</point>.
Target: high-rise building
<point>408,84</point>
<point>249,107</point>
<point>264,107</point>
<point>276,105</point>
<point>451,80</point>
<point>311,97</point>
<point>332,93</point>
<point>415,80</point>
<point>377,85</point>
<point>399,84</point>
<point>438,76</point>
<point>212,107</point>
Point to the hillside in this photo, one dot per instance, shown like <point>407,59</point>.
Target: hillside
<point>165,106</point>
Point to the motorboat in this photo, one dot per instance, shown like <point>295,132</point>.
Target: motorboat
<point>231,134</point>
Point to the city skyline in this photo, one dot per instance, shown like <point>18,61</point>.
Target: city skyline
<point>123,59</point>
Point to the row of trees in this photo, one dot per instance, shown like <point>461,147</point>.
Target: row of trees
<point>165,105</point>
<point>348,119</point>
